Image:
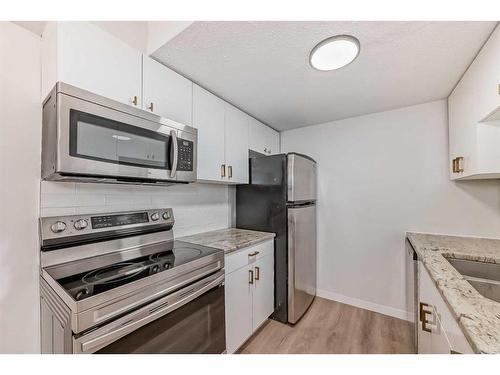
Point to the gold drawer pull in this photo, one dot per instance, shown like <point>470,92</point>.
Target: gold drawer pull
<point>253,254</point>
<point>423,318</point>
<point>223,170</point>
<point>457,164</point>
<point>230,171</point>
<point>151,107</point>
<point>250,276</point>
<point>257,273</point>
<point>135,100</point>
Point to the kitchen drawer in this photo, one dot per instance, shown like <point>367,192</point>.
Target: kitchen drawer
<point>242,258</point>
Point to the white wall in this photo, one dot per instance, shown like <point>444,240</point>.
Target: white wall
<point>197,207</point>
<point>379,176</point>
<point>20,132</point>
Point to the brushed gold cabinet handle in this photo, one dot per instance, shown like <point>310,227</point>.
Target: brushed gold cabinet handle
<point>151,107</point>
<point>135,100</point>
<point>423,318</point>
<point>223,170</point>
<point>454,352</point>
<point>250,276</point>
<point>253,254</point>
<point>257,273</point>
<point>457,164</point>
<point>230,171</point>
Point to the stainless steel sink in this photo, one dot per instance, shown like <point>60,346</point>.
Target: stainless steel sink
<point>484,277</point>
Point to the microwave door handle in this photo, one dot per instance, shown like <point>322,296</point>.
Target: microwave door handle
<point>173,134</point>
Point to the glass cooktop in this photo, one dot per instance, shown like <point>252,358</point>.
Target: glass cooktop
<point>170,255</point>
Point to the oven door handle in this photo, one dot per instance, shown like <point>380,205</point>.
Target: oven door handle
<point>96,340</point>
<point>173,134</point>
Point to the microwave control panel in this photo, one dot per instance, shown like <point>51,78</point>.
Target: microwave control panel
<point>186,155</point>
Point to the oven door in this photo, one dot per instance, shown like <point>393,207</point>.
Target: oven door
<point>189,321</point>
<point>98,141</point>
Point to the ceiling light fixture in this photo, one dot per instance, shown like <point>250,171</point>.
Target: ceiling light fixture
<point>334,52</point>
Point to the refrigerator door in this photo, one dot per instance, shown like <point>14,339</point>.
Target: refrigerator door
<point>301,178</point>
<point>301,259</point>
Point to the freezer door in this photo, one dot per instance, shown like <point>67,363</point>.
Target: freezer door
<point>301,259</point>
<point>301,184</point>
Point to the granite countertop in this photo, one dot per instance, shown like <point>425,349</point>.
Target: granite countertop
<point>230,239</point>
<point>478,316</point>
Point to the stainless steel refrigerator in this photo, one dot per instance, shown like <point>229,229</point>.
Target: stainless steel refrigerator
<point>281,198</point>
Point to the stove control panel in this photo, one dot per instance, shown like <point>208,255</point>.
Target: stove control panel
<point>62,228</point>
<point>118,220</point>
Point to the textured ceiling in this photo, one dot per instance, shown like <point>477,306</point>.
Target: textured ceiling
<point>262,67</point>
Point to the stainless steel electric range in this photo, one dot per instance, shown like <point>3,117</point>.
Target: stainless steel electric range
<point>120,283</point>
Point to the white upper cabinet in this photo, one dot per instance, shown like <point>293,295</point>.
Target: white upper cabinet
<point>208,117</point>
<point>263,139</point>
<point>474,117</point>
<point>222,139</point>
<point>236,145</point>
<point>166,93</point>
<point>83,55</point>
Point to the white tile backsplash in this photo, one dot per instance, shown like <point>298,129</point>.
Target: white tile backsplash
<point>197,207</point>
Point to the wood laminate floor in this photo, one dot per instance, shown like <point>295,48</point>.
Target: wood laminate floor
<point>333,327</point>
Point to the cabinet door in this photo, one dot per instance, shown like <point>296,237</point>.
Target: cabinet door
<point>263,293</point>
<point>425,311</point>
<point>238,291</point>
<point>94,60</point>
<point>208,117</point>
<point>166,93</point>
<point>446,335</point>
<point>474,97</point>
<point>262,138</point>
<point>236,144</point>
<point>439,340</point>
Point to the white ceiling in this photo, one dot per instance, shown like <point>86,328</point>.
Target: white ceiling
<point>262,67</point>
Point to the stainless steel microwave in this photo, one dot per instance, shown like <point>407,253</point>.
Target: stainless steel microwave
<point>90,138</point>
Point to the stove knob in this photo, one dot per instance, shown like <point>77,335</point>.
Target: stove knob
<point>80,224</point>
<point>58,226</point>
<point>166,215</point>
<point>155,269</point>
<point>81,293</point>
<point>155,216</point>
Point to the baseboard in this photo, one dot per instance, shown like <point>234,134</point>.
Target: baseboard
<point>382,309</point>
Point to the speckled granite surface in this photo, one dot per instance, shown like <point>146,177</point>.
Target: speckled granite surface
<point>479,317</point>
<point>229,240</point>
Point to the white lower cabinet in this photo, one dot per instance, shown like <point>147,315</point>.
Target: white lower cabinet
<point>238,308</point>
<point>249,292</point>
<point>438,331</point>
